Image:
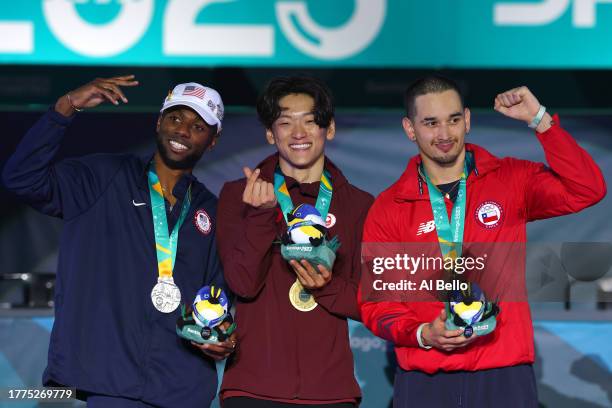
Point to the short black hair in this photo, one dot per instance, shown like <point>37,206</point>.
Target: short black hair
<point>426,85</point>
<point>268,109</point>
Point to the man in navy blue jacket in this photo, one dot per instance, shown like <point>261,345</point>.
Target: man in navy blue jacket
<point>138,238</point>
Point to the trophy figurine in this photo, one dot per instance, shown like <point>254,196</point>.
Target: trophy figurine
<point>201,322</point>
<point>470,310</point>
<point>306,238</point>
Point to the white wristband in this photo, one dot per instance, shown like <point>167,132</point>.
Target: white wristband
<point>419,339</point>
<point>538,117</point>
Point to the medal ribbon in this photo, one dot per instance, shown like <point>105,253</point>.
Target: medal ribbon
<point>450,234</point>
<point>165,244</point>
<point>284,199</point>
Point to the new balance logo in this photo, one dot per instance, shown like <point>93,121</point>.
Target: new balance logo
<point>426,227</point>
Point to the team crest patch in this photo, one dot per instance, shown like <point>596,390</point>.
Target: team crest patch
<point>330,220</point>
<point>202,222</point>
<point>489,214</point>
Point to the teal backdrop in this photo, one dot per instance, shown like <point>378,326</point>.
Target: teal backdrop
<point>308,33</point>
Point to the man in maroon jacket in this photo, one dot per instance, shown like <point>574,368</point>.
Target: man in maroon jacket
<point>293,344</point>
<point>489,200</point>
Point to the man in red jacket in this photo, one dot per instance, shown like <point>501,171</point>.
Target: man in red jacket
<point>293,346</point>
<point>488,200</point>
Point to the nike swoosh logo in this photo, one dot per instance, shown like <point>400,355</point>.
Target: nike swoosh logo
<point>138,204</point>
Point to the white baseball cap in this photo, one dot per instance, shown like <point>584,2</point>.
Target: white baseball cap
<point>202,99</point>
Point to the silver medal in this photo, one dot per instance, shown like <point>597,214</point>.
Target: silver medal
<point>166,296</point>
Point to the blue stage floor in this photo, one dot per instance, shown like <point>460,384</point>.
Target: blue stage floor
<point>573,367</point>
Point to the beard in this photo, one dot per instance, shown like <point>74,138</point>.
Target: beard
<point>442,159</point>
<point>446,160</point>
<point>187,163</point>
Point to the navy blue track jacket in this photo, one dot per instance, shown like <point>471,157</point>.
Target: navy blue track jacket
<point>107,337</point>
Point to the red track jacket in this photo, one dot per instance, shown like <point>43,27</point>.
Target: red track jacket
<point>522,191</point>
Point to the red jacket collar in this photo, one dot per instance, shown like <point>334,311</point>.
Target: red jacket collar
<point>411,187</point>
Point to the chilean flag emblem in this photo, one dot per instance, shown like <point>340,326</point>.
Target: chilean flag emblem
<point>489,214</point>
<point>488,217</point>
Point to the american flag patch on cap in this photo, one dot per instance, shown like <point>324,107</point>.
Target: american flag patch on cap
<point>194,91</point>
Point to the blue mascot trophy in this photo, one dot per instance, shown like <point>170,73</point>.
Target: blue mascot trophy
<point>470,310</point>
<point>306,238</point>
<point>201,323</point>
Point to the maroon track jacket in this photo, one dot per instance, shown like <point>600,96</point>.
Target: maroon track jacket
<point>283,353</point>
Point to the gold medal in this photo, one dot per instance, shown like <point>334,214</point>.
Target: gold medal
<point>300,298</point>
